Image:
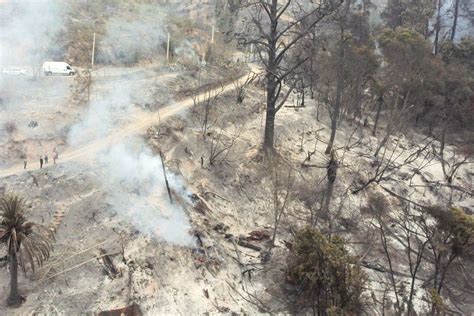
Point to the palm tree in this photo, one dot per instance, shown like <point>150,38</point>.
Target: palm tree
<point>27,243</point>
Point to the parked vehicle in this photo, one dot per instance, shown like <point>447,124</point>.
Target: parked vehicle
<point>15,71</point>
<point>58,68</point>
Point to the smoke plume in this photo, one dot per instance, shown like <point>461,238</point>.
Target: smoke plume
<point>133,178</point>
<point>27,30</point>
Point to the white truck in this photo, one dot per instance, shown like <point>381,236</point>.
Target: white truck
<point>57,68</point>
<point>15,71</point>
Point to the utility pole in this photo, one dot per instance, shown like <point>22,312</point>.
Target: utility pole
<point>212,36</point>
<point>168,49</point>
<point>93,52</point>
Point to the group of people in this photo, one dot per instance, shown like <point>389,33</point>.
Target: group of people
<point>43,160</point>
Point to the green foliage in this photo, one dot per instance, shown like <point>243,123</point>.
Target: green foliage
<point>436,302</point>
<point>410,71</point>
<point>362,63</point>
<point>462,52</point>
<point>414,15</point>
<point>454,228</point>
<point>325,276</point>
<point>404,39</point>
<point>455,92</point>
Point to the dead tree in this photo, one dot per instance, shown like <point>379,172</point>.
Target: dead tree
<point>241,86</point>
<point>220,145</point>
<point>331,169</point>
<point>381,227</point>
<point>273,36</point>
<point>450,166</point>
<point>455,19</point>
<point>281,190</point>
<point>395,120</point>
<point>166,178</point>
<point>415,245</point>
<point>207,102</point>
<point>335,112</point>
<point>385,164</point>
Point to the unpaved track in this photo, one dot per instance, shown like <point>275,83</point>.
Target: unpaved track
<point>120,133</point>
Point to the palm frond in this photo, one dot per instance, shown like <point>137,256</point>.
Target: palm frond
<point>32,242</point>
<point>35,249</point>
<point>3,232</point>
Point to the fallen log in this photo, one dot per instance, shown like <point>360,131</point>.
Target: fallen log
<point>295,106</point>
<point>246,244</point>
<point>109,266</point>
<point>132,310</point>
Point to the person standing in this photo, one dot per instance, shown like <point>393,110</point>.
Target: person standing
<point>46,159</point>
<point>55,155</point>
<point>41,162</point>
<point>24,164</point>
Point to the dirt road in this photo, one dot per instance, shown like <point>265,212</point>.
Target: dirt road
<point>120,133</point>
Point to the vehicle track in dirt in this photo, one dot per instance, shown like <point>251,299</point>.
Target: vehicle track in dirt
<point>88,151</point>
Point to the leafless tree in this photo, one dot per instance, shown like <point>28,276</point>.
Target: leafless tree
<point>207,102</point>
<point>274,27</point>
<point>221,145</point>
<point>415,244</point>
<point>451,165</point>
<point>282,180</point>
<point>241,86</point>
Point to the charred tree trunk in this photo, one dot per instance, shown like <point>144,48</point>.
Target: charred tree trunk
<point>331,175</point>
<point>270,117</point>
<point>207,105</point>
<point>384,141</point>
<point>377,115</point>
<point>455,19</point>
<point>302,97</point>
<point>311,78</point>
<point>272,80</point>
<point>441,152</point>
<point>317,106</point>
<point>437,28</point>
<point>339,88</point>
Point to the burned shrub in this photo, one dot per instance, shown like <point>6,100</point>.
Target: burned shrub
<point>324,277</point>
<point>307,195</point>
<point>10,127</point>
<point>377,204</point>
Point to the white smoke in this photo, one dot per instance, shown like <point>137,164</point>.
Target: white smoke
<point>186,51</point>
<point>106,110</point>
<point>27,30</point>
<point>134,180</point>
<point>131,176</point>
<point>131,40</point>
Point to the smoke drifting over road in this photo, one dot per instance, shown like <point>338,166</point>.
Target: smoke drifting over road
<point>130,174</point>
<point>104,112</point>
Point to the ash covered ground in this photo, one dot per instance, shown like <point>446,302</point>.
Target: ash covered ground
<point>204,246</point>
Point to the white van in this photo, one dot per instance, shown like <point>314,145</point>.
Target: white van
<point>57,68</point>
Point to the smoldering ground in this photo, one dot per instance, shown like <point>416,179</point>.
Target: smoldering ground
<point>130,175</point>
<point>134,181</point>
